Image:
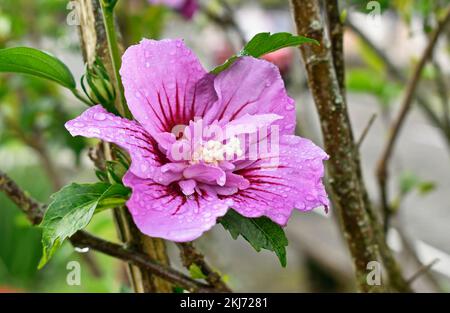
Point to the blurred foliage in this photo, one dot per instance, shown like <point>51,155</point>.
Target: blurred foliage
<point>428,10</point>
<point>363,80</point>
<point>20,248</point>
<point>32,116</point>
<point>139,20</point>
<point>409,182</point>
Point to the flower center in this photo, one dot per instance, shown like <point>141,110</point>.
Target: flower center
<point>214,151</point>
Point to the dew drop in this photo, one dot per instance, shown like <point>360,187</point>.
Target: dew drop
<point>290,107</point>
<point>100,116</point>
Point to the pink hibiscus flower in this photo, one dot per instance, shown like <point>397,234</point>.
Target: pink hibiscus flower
<point>187,8</point>
<point>199,142</point>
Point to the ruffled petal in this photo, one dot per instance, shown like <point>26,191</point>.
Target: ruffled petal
<point>205,173</point>
<point>164,212</point>
<point>252,86</point>
<point>160,80</point>
<point>283,180</point>
<point>96,122</point>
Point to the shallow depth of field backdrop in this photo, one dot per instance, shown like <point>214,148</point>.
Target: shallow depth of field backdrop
<point>380,38</point>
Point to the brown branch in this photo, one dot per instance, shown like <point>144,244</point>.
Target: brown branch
<point>94,44</point>
<point>33,209</point>
<point>350,199</point>
<point>366,130</point>
<point>336,33</point>
<point>422,271</point>
<point>338,138</point>
<point>35,212</point>
<point>139,259</point>
<point>190,255</point>
<point>394,131</point>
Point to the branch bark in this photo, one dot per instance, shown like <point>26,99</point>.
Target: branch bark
<point>350,199</point>
<point>94,43</point>
<point>336,33</point>
<point>190,255</point>
<point>394,130</point>
<point>35,212</point>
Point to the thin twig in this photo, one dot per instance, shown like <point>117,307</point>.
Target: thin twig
<point>226,21</point>
<point>399,76</point>
<point>366,130</point>
<point>422,271</point>
<point>35,212</point>
<point>84,239</point>
<point>383,163</point>
<point>190,255</point>
<point>33,209</point>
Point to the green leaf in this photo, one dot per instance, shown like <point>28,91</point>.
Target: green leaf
<point>264,43</point>
<point>260,232</point>
<point>196,272</point>
<point>408,182</point>
<point>36,63</point>
<point>72,209</point>
<point>426,187</point>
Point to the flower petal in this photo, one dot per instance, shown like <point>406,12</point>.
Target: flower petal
<point>164,212</point>
<point>96,122</point>
<point>205,173</point>
<point>189,8</point>
<point>160,80</point>
<point>252,86</point>
<point>286,180</point>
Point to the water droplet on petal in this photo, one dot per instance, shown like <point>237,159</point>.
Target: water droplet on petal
<point>100,116</point>
<point>290,107</point>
